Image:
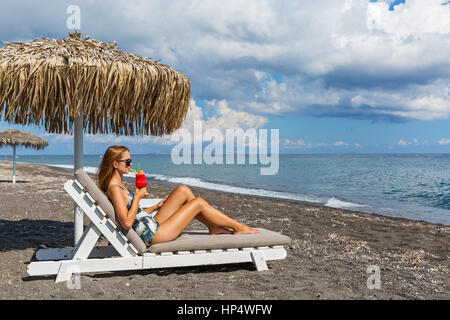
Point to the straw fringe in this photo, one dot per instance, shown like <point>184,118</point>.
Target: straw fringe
<point>47,82</point>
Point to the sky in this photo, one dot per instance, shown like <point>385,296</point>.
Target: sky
<point>333,76</point>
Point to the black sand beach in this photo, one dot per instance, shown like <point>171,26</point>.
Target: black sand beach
<point>328,258</point>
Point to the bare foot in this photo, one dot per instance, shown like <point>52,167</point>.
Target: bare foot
<point>246,230</point>
<point>219,230</point>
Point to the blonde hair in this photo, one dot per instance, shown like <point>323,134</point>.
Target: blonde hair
<point>106,169</point>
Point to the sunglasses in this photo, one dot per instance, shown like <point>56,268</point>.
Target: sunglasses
<point>127,162</point>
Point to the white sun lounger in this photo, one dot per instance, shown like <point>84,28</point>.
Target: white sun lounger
<point>127,251</point>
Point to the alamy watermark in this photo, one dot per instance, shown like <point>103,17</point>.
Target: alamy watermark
<point>256,141</point>
<point>73,22</point>
<point>74,281</point>
<point>374,280</point>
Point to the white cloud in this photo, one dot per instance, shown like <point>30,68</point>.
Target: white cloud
<point>428,18</point>
<point>300,143</point>
<point>341,144</point>
<point>125,140</point>
<point>57,138</point>
<point>224,118</point>
<point>414,142</point>
<point>444,141</point>
<point>373,45</point>
<point>230,118</point>
<point>423,102</point>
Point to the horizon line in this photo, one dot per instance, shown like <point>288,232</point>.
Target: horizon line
<point>246,154</point>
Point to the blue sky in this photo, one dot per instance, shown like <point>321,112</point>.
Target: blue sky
<point>373,79</point>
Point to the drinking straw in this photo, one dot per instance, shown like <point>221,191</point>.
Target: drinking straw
<point>133,170</point>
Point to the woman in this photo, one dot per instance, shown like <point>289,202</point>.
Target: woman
<point>175,211</point>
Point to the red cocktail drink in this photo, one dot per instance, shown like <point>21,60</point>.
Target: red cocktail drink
<point>140,180</point>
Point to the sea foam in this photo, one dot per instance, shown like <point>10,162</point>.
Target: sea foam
<point>336,203</point>
<point>196,182</point>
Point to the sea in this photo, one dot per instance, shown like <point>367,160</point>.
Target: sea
<point>411,186</point>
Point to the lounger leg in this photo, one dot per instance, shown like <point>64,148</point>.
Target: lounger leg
<point>259,260</point>
<point>66,269</point>
<point>87,242</point>
<point>82,251</point>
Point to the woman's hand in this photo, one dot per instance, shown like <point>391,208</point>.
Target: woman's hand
<point>159,204</point>
<point>141,193</point>
<point>156,206</point>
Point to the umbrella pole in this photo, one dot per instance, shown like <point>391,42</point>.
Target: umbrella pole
<point>78,160</point>
<point>14,163</point>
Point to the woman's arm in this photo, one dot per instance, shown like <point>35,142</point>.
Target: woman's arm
<point>125,216</point>
<point>156,206</point>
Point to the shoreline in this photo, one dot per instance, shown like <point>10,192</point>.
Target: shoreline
<point>328,257</point>
<point>172,184</point>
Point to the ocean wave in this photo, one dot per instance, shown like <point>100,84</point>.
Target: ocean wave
<point>62,166</point>
<point>91,170</point>
<point>195,182</point>
<point>336,203</point>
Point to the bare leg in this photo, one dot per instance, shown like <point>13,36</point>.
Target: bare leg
<point>177,198</point>
<point>172,227</point>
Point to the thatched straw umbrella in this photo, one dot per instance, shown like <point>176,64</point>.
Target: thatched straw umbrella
<point>19,138</point>
<point>74,85</point>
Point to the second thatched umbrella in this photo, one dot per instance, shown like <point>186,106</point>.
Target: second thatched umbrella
<point>16,138</point>
<point>75,85</point>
